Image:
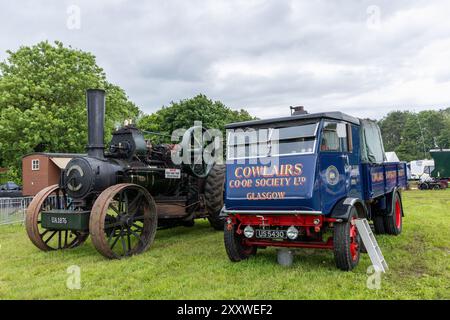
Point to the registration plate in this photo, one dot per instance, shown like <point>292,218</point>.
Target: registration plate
<point>271,234</point>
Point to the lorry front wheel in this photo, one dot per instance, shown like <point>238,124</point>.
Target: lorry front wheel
<point>234,247</point>
<point>393,223</point>
<point>347,243</point>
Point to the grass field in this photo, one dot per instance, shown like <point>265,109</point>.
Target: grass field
<point>191,263</point>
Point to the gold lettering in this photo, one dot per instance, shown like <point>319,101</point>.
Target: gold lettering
<point>298,169</point>
<point>236,172</point>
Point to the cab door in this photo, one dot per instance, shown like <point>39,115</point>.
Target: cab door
<point>334,173</point>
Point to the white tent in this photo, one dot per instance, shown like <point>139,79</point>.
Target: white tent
<point>391,157</point>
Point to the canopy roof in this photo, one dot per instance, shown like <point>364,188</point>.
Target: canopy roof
<point>61,162</point>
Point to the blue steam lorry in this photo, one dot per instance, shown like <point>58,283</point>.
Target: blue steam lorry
<point>301,181</point>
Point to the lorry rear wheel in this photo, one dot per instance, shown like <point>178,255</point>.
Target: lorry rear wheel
<point>234,247</point>
<point>347,243</point>
<point>393,223</point>
<point>214,191</point>
<point>378,223</point>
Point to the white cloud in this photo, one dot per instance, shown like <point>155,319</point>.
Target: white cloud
<point>261,55</point>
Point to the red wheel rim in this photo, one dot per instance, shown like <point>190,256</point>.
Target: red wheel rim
<point>354,245</point>
<point>398,214</point>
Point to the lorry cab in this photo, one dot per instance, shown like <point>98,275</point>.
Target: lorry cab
<point>289,180</point>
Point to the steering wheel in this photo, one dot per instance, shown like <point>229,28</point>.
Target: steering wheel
<point>194,142</point>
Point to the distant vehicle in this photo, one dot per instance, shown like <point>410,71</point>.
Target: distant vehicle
<point>10,190</point>
<point>391,157</point>
<point>437,176</point>
<point>442,163</point>
<point>420,169</point>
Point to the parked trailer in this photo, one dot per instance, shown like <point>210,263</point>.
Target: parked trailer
<point>305,181</point>
<point>420,169</point>
<point>436,176</point>
<point>441,172</point>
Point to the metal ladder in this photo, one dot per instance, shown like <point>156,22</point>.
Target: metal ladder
<point>371,245</point>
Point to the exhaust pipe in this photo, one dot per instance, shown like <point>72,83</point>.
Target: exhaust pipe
<point>299,110</point>
<point>96,121</point>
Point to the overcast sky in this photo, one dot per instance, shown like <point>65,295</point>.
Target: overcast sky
<point>361,57</point>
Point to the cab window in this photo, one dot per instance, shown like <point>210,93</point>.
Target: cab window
<point>265,142</point>
<point>334,137</point>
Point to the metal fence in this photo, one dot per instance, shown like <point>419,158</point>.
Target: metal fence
<point>13,210</point>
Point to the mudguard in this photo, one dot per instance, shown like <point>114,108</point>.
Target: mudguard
<point>222,213</point>
<point>390,202</point>
<point>342,209</point>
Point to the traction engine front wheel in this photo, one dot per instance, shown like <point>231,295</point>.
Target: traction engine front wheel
<point>51,198</point>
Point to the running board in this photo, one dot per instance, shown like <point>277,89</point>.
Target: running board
<point>371,244</point>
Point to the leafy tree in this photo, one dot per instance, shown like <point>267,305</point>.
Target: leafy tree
<point>412,144</point>
<point>432,123</point>
<point>412,135</point>
<point>443,140</point>
<point>43,104</point>
<point>182,114</point>
<point>392,126</point>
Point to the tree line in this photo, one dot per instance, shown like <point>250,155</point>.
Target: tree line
<point>411,135</point>
<point>43,109</point>
<point>43,104</point>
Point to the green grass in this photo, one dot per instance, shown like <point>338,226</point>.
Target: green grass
<point>191,263</point>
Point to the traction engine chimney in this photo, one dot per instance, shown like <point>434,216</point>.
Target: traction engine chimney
<point>96,121</point>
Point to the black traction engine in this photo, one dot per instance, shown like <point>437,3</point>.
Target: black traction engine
<point>121,195</point>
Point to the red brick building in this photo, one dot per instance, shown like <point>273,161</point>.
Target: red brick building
<point>40,170</point>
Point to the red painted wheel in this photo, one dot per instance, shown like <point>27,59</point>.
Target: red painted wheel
<point>393,223</point>
<point>398,214</point>
<point>354,240</point>
<point>347,243</point>
<point>234,244</point>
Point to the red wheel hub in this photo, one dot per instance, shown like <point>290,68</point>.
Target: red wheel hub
<point>354,244</point>
<point>398,214</point>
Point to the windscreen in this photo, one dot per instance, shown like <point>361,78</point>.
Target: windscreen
<point>271,141</point>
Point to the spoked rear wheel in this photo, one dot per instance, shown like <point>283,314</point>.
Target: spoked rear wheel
<point>123,221</point>
<point>51,198</point>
